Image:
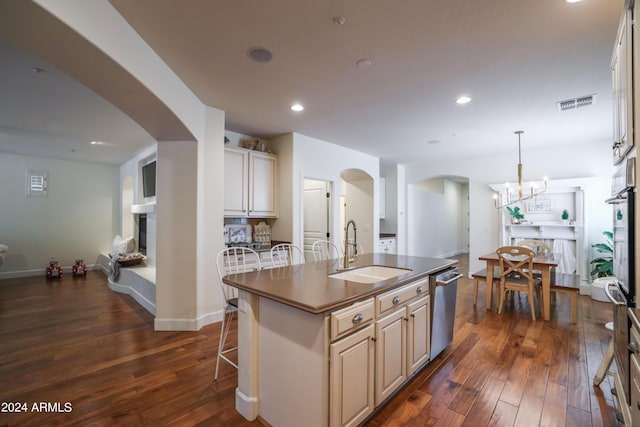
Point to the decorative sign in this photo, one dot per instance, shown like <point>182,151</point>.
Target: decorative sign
<point>540,206</point>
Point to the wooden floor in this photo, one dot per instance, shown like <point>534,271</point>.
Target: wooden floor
<point>94,352</point>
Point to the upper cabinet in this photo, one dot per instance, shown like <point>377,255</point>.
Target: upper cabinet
<point>250,183</point>
<point>622,78</point>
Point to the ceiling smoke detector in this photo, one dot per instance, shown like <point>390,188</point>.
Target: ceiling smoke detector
<point>575,103</point>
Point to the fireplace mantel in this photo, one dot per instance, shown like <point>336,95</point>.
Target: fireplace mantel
<point>145,208</point>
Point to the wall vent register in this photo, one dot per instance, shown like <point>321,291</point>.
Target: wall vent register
<point>575,103</point>
<point>37,183</point>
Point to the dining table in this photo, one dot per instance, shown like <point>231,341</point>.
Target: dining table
<point>544,264</point>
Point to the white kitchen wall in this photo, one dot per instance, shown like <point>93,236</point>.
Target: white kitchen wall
<point>77,219</point>
<point>312,158</point>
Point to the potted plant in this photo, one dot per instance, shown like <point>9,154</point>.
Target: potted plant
<point>565,216</point>
<point>603,265</point>
<point>516,215</point>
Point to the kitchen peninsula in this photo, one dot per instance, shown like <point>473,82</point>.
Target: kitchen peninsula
<point>326,351</point>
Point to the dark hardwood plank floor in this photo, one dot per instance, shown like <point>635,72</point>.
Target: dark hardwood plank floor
<point>74,341</point>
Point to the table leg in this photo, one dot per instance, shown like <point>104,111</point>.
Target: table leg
<point>490,266</point>
<point>546,293</point>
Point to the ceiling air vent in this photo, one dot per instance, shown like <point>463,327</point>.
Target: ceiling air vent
<point>575,103</point>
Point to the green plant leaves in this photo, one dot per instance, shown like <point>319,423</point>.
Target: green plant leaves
<point>603,266</point>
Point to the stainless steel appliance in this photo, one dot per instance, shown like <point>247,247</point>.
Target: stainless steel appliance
<point>621,327</point>
<point>622,200</point>
<point>622,291</point>
<point>444,288</point>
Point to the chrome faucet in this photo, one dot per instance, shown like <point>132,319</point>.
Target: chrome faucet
<point>346,242</point>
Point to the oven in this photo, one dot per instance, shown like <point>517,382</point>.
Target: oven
<point>622,290</point>
<point>622,201</point>
<point>621,328</point>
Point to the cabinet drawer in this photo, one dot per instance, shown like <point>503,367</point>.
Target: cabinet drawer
<point>399,296</point>
<point>349,319</point>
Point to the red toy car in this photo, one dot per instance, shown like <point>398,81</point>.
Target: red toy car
<point>80,268</point>
<point>54,271</point>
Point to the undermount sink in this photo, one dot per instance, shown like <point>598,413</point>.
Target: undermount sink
<point>370,274</point>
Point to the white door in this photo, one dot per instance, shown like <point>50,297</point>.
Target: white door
<point>317,199</point>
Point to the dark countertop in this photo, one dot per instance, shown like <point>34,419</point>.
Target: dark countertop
<point>308,287</point>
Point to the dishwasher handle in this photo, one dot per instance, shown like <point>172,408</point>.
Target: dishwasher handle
<point>447,282</point>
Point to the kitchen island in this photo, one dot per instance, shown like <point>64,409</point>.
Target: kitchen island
<point>326,351</point>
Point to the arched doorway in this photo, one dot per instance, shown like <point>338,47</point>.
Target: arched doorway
<point>356,203</point>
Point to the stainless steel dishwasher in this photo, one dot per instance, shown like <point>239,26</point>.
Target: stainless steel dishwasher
<point>444,288</point>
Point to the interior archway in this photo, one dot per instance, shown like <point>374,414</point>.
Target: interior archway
<point>356,203</point>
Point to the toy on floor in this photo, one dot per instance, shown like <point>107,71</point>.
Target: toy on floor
<point>79,268</point>
<point>54,271</point>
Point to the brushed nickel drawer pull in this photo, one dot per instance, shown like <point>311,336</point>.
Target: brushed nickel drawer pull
<point>357,319</point>
<point>633,347</point>
<point>419,289</point>
<point>396,300</point>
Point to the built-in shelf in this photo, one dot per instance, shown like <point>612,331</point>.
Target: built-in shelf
<point>145,208</point>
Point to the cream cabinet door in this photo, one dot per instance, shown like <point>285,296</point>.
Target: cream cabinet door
<point>418,337</point>
<point>391,357</point>
<point>621,66</point>
<point>263,184</point>
<point>351,378</point>
<point>236,183</point>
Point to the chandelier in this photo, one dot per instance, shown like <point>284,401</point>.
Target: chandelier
<point>508,196</point>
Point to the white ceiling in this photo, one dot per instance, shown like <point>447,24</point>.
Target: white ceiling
<point>515,58</point>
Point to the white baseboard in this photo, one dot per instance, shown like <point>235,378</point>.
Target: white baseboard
<point>41,272</point>
<point>195,324</point>
<point>247,406</point>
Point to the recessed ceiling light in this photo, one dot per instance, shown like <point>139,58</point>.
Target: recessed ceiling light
<point>95,142</point>
<point>297,107</point>
<point>463,100</point>
<point>364,63</point>
<point>573,1</point>
<point>260,54</point>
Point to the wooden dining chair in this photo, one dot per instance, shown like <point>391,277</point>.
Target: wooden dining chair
<point>516,274</point>
<point>541,248</point>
